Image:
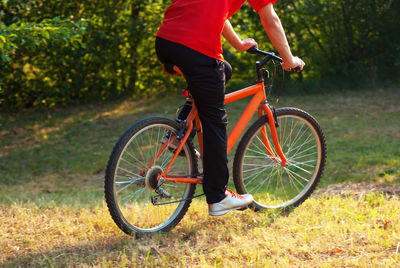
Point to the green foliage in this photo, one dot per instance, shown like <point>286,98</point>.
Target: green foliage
<point>345,38</point>
<point>340,41</point>
<point>61,52</point>
<point>92,50</point>
<point>27,50</point>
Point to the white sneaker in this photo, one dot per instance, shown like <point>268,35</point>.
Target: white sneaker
<point>230,202</point>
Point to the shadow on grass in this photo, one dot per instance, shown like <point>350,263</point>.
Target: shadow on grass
<point>115,250</point>
<point>88,253</point>
<point>66,145</point>
<point>78,141</point>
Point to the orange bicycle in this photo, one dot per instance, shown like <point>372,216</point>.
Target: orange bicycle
<point>152,172</point>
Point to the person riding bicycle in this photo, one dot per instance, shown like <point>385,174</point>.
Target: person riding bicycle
<point>190,38</point>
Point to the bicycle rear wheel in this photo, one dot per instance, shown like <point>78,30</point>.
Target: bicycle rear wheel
<point>272,185</point>
<point>130,185</point>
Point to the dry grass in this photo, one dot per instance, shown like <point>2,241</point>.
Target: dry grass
<point>51,189</point>
<point>335,232</point>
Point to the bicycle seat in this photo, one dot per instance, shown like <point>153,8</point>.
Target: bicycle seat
<point>171,69</point>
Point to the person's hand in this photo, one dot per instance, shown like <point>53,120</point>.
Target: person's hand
<point>291,64</point>
<point>246,44</point>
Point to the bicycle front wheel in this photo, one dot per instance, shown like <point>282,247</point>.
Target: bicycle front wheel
<point>271,184</point>
<point>137,202</point>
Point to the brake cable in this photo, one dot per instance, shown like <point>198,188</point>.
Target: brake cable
<point>282,85</point>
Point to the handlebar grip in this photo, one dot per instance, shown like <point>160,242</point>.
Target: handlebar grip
<point>297,69</point>
<point>252,50</point>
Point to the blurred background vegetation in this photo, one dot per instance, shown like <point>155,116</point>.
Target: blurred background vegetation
<point>58,52</point>
<point>85,54</point>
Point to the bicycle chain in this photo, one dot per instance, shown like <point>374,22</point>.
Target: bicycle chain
<point>154,199</point>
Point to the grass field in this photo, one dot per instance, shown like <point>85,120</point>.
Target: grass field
<point>53,214</point>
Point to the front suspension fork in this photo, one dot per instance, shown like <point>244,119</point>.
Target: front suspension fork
<point>264,107</point>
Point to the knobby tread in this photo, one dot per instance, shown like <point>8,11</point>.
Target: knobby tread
<point>112,164</point>
<point>237,167</point>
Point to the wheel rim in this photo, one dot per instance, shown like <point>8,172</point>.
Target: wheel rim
<point>131,194</point>
<point>272,185</point>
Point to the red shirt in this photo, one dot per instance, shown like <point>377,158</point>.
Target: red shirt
<point>198,24</point>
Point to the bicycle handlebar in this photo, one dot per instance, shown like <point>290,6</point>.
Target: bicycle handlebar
<point>267,55</point>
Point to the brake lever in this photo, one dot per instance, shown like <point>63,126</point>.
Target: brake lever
<point>297,69</point>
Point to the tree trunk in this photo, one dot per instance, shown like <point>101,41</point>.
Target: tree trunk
<point>134,19</point>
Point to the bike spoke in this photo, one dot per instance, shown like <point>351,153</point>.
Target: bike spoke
<point>132,195</point>
<point>304,163</point>
<point>137,160</point>
<point>301,168</point>
<point>302,156</point>
<point>128,171</point>
<point>247,182</point>
<point>308,140</point>
<point>298,135</point>
<point>252,169</point>
<point>294,178</point>
<point>301,177</point>
<point>273,185</point>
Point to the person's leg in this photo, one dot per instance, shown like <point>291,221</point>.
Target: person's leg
<point>206,82</point>
<point>187,107</point>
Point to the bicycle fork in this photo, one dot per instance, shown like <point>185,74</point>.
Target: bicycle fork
<point>264,107</point>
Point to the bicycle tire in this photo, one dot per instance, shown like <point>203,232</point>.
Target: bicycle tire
<point>126,178</point>
<point>255,172</point>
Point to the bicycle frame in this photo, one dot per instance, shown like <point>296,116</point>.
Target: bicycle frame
<point>257,103</point>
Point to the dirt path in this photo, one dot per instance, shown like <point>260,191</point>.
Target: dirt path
<point>360,189</point>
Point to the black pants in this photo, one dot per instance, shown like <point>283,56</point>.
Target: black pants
<point>187,107</point>
<point>206,83</point>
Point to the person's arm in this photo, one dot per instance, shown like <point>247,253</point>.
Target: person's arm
<point>273,27</point>
<point>233,39</point>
